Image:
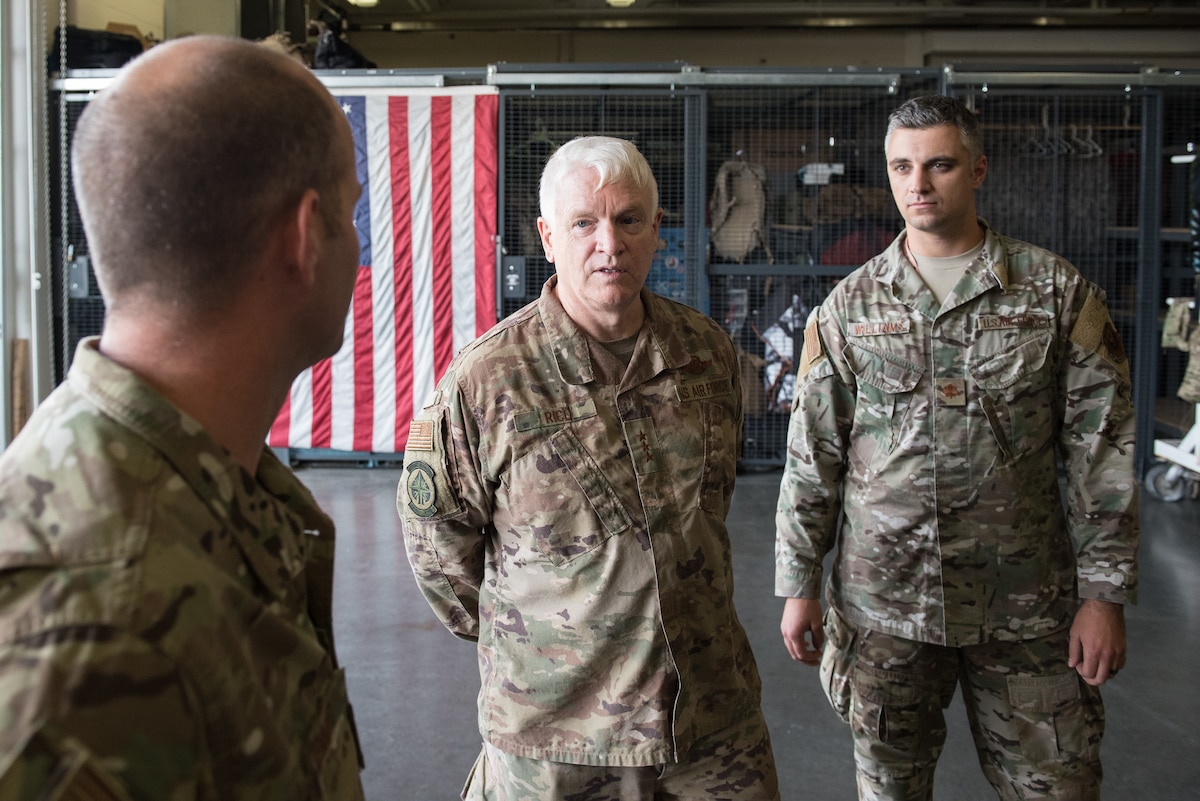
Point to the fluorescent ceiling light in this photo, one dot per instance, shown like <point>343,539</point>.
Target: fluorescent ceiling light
<point>621,3</point>
<point>364,3</point>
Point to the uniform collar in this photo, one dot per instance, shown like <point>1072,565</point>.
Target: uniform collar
<point>273,536</point>
<point>989,271</point>
<point>659,347</point>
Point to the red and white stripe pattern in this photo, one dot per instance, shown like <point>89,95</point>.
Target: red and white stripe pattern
<point>427,160</point>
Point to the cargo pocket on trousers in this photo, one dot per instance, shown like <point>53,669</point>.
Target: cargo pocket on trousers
<point>837,663</point>
<point>475,787</point>
<point>887,708</point>
<point>1048,715</point>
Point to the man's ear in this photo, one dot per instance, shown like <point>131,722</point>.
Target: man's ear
<point>544,232</point>
<point>302,237</point>
<point>980,172</point>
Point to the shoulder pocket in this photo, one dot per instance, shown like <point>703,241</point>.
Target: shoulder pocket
<point>429,488</point>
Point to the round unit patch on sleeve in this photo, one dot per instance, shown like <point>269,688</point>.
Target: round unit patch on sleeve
<point>420,486</point>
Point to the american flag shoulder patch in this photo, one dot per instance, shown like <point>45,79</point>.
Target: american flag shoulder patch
<point>812,351</point>
<point>420,435</point>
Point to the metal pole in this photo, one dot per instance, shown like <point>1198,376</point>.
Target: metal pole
<point>1147,338</point>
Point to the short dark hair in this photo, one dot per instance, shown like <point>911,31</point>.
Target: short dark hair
<point>928,111</point>
<point>177,174</point>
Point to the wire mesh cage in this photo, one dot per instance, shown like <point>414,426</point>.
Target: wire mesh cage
<point>535,123</point>
<point>1178,388</point>
<point>797,198</point>
<point>773,189</point>
<point>77,305</point>
<point>1086,172</point>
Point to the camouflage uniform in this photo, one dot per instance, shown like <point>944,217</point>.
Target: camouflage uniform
<point>1180,333</point>
<point>934,429</point>
<point>165,618</point>
<point>569,515</point>
<point>1189,386</point>
<point>730,764</point>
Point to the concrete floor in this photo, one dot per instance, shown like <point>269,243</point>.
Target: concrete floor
<point>413,685</point>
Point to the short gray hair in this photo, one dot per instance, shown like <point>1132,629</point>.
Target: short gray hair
<point>929,111</point>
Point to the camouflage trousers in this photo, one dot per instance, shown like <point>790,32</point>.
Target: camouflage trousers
<point>1036,724</point>
<point>732,765</point>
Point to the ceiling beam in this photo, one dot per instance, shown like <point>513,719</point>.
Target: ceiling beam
<point>448,16</point>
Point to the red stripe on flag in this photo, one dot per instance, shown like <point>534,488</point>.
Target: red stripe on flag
<point>442,216</point>
<point>486,165</point>
<point>402,264</point>
<point>281,428</point>
<point>364,362</point>
<point>322,415</point>
<point>293,427</point>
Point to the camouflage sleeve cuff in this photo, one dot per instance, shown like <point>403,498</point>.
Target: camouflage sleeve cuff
<point>1104,591</point>
<point>798,584</point>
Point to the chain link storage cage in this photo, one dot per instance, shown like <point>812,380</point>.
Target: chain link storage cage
<point>1080,163</point>
<point>536,122</point>
<point>1175,406</point>
<point>799,170</point>
<point>78,309</point>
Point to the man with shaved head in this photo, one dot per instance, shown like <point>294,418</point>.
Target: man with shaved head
<point>165,582</point>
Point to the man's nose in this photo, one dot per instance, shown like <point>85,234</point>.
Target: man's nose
<point>918,181</point>
<point>608,238</point>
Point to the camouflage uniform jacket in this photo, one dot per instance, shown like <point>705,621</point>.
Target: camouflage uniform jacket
<point>571,519</point>
<point>940,427</point>
<point>165,617</point>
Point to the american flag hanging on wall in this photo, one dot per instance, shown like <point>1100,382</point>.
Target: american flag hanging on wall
<point>427,161</point>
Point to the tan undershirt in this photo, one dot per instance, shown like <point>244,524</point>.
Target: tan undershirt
<point>941,275</point>
<point>611,359</point>
<point>622,348</point>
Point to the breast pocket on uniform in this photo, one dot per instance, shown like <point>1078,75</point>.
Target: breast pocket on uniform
<point>1017,394</point>
<point>568,506</point>
<point>886,386</point>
